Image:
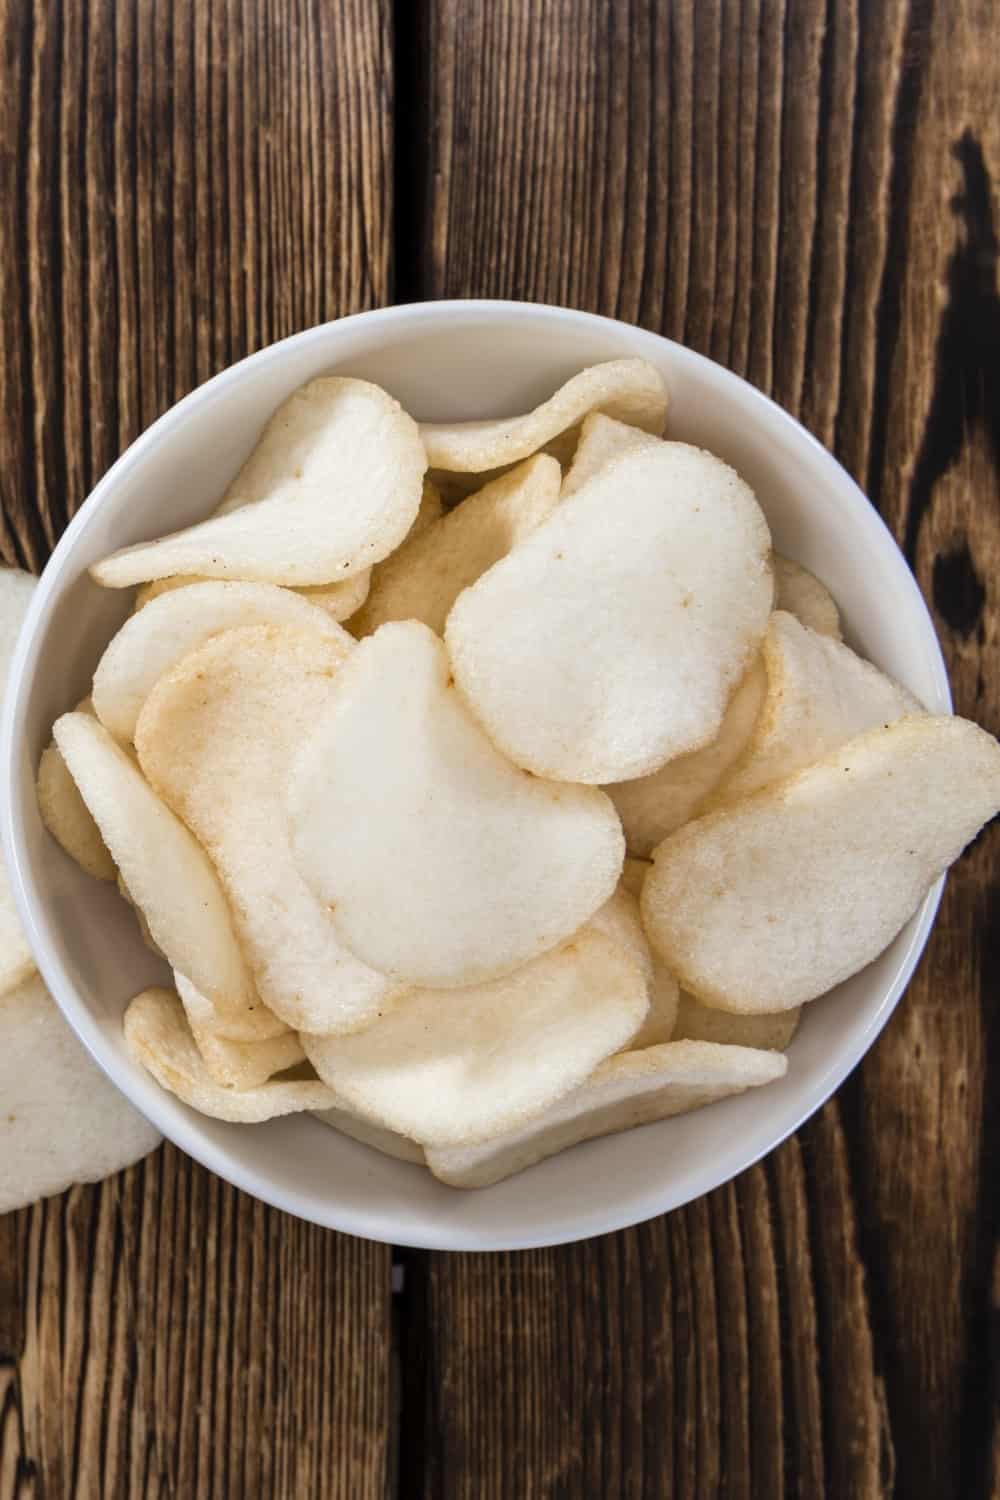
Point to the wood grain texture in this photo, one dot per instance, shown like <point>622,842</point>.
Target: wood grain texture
<point>923,1111</point>
<point>176,1338</point>
<point>805,192</point>
<point>179,184</point>
<point>694,1355</point>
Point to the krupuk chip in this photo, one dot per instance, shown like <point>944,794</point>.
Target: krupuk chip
<point>440,862</point>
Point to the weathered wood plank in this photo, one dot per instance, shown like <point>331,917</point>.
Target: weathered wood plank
<point>924,1120</point>
<point>771,185</point>
<point>698,1354</point>
<point>181,185</point>
<point>176,1338</point>
<point>178,186</point>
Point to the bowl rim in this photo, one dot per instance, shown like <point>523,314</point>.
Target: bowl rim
<point>377,1224</point>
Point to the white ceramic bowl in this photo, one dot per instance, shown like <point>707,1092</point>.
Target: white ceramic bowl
<point>444,360</point>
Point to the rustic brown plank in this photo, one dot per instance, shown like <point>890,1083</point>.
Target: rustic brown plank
<point>860,1458</point>
<point>178,1338</point>
<point>683,1357</point>
<point>926,1120</point>
<point>179,184</point>
<point>771,185</point>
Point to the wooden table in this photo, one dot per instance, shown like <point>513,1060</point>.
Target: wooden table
<point>803,190</point>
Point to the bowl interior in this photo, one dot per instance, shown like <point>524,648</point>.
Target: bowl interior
<point>445,360</point>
